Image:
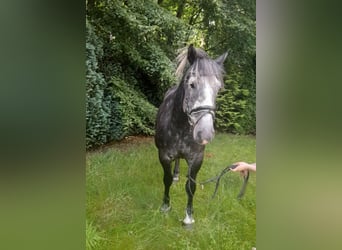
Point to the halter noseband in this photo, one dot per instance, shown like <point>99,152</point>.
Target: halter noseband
<point>203,109</point>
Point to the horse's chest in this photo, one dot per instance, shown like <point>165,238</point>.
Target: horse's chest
<point>182,145</point>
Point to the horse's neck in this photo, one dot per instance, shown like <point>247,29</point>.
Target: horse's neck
<point>179,118</point>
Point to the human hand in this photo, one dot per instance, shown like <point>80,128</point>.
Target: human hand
<point>244,167</point>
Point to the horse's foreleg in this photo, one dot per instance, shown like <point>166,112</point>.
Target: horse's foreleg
<point>190,188</point>
<point>176,171</point>
<point>167,183</point>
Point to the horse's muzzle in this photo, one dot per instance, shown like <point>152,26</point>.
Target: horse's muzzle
<point>202,121</point>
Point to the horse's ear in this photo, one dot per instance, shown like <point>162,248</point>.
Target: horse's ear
<point>191,54</point>
<point>220,60</point>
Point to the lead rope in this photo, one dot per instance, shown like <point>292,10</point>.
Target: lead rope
<point>217,180</point>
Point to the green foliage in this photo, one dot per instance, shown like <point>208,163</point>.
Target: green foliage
<point>144,40</point>
<point>130,50</point>
<point>135,114</point>
<point>97,107</point>
<point>230,25</point>
<point>231,105</point>
<point>235,113</point>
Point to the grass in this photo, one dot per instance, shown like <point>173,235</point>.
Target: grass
<point>125,189</point>
<point>93,237</point>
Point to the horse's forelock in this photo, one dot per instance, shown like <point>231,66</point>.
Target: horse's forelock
<point>203,66</point>
<point>208,67</point>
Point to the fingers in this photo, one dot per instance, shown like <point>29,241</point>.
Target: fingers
<point>243,173</point>
<point>242,167</point>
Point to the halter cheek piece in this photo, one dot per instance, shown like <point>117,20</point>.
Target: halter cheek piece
<point>203,110</point>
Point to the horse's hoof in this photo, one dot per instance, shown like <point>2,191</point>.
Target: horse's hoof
<point>188,220</point>
<point>188,226</point>
<point>165,208</point>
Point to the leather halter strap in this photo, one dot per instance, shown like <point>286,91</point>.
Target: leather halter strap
<point>204,110</point>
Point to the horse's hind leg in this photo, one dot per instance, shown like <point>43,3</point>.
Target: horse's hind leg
<point>166,163</point>
<point>176,171</point>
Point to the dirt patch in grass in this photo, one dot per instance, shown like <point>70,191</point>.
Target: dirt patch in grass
<point>208,155</point>
<point>124,144</point>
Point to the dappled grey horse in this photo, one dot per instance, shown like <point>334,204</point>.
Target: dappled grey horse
<point>185,119</point>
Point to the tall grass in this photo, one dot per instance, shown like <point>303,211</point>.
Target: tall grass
<point>125,189</point>
<point>93,237</point>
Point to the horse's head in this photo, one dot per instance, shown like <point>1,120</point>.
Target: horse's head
<point>201,83</point>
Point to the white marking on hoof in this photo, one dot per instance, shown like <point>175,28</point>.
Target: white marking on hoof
<point>165,208</point>
<point>188,219</point>
<point>175,178</point>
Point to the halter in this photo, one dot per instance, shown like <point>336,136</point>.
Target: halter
<point>204,110</point>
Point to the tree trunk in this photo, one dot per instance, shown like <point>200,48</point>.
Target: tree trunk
<point>160,2</point>
<point>90,4</point>
<point>180,9</point>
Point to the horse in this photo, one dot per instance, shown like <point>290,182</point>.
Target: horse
<point>185,120</point>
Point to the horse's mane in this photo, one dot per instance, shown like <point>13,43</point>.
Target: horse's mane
<point>182,61</point>
<point>202,66</point>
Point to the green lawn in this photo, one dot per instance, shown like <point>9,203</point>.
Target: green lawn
<point>125,190</point>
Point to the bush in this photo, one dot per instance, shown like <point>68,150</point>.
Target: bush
<point>97,107</point>
<point>134,114</point>
<point>235,108</point>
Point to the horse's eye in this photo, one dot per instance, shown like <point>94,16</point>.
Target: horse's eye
<point>192,85</point>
